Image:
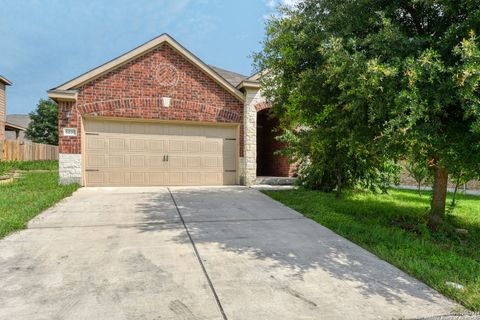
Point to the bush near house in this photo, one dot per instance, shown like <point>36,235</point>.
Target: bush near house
<point>394,227</point>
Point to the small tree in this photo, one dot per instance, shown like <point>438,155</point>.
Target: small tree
<point>44,125</point>
<point>461,174</point>
<point>419,171</point>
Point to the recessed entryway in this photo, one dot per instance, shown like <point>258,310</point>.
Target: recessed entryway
<point>268,162</point>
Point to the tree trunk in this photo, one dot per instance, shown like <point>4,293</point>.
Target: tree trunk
<point>420,188</point>
<point>454,194</point>
<point>338,175</point>
<point>437,210</point>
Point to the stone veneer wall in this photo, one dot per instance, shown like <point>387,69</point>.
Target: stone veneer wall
<point>253,98</point>
<point>70,168</point>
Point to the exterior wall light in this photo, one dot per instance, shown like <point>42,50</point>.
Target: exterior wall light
<point>166,102</point>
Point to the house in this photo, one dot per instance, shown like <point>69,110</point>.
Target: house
<point>16,126</point>
<point>158,116</point>
<point>3,105</point>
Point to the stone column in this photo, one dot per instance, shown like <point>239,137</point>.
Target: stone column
<point>253,97</point>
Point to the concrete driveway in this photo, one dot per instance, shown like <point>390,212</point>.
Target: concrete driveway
<point>197,253</point>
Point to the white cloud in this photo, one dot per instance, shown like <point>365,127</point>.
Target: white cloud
<point>290,3</point>
<point>272,4</point>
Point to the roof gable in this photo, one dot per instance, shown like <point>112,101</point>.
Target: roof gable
<point>137,52</point>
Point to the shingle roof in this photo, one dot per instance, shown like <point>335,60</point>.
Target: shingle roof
<point>232,77</point>
<point>20,120</point>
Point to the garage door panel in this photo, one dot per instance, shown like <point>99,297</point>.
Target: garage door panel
<point>116,161</point>
<point>94,178</point>
<point>96,143</point>
<point>137,161</point>
<point>135,128</point>
<point>194,162</point>
<point>156,179</point>
<point>116,178</point>
<point>194,178</point>
<point>137,179</point>
<point>121,153</point>
<point>112,127</point>
<point>213,178</point>
<point>173,130</point>
<point>174,178</point>
<point>157,146</point>
<point>116,145</point>
<point>94,126</point>
<point>194,146</point>
<point>175,162</point>
<point>95,160</point>
<point>156,161</point>
<point>137,145</point>
<point>155,129</point>
<point>176,146</point>
<point>193,131</point>
<point>212,162</point>
<point>212,146</point>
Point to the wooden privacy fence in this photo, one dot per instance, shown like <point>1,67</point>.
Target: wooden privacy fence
<point>15,150</point>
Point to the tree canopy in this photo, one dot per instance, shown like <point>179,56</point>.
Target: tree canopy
<point>44,125</point>
<point>376,81</point>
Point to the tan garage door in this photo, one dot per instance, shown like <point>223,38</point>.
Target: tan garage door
<point>123,153</point>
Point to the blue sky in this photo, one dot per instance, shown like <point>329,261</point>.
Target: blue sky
<point>44,43</point>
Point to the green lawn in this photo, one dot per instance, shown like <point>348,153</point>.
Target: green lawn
<point>32,193</point>
<point>9,166</point>
<point>393,227</point>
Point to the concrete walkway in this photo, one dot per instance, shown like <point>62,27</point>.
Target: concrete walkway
<point>196,253</point>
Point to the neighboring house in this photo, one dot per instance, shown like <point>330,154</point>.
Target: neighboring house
<point>16,126</point>
<point>3,105</point>
<point>158,115</point>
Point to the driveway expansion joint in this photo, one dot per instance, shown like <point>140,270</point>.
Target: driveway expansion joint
<point>197,254</point>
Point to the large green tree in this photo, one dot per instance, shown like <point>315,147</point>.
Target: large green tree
<point>393,78</point>
<point>44,125</point>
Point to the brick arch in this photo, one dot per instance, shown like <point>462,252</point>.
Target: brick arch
<point>152,108</point>
<point>262,106</point>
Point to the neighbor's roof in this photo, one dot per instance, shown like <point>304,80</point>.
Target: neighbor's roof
<point>66,90</point>
<point>10,126</point>
<point>19,120</point>
<point>5,81</point>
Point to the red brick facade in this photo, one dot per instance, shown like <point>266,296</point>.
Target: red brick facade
<point>262,106</point>
<point>135,90</point>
